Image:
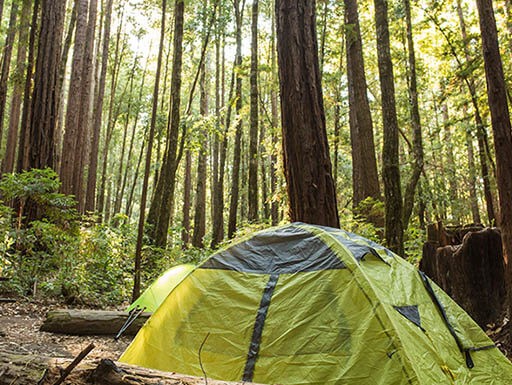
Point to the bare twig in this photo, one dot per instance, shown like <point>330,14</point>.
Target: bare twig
<point>200,361</point>
<point>74,363</point>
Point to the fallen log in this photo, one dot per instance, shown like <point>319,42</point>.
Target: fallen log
<point>90,322</point>
<point>33,369</point>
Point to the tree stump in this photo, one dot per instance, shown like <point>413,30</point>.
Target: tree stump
<point>472,273</point>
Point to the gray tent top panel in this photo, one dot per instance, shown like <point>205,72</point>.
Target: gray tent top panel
<point>354,240</point>
<point>284,250</point>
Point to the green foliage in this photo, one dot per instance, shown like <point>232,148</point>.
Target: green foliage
<point>61,255</point>
<point>42,188</point>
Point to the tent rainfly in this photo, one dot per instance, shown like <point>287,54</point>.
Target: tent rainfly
<point>155,294</point>
<point>303,304</point>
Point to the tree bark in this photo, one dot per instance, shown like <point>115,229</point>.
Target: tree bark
<point>87,93</point>
<point>147,167</point>
<point>274,209</point>
<point>308,171</point>
<point>187,202</point>
<point>391,170</point>
<point>457,259</point>
<point>200,195</point>
<point>74,101</point>
<point>500,117</point>
<point>417,140</point>
<point>218,139</point>
<point>161,205</point>
<point>6,64</point>
<point>90,199</point>
<point>475,211</point>
<point>481,132</point>
<point>235,176</point>
<point>132,141</point>
<point>44,97</point>
<point>17,93</point>
<point>253,130</point>
<point>113,114</point>
<point>365,179</point>
<point>24,141</point>
<point>90,322</point>
<point>34,369</point>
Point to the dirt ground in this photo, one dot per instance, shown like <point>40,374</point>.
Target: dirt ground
<point>20,322</point>
<point>19,334</point>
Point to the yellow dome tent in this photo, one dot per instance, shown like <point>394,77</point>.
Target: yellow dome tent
<point>302,304</point>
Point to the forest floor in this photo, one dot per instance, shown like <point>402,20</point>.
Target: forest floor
<point>19,334</point>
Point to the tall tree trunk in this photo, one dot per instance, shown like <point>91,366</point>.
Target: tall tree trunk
<point>44,96</point>
<point>218,221</point>
<point>87,93</point>
<point>24,142</point>
<point>274,210</point>
<point>113,114</point>
<point>161,205</point>
<point>200,196</point>
<point>365,179</point>
<point>472,177</point>
<point>253,130</point>
<point>217,195</point>
<point>119,177</point>
<point>391,171</point>
<point>187,202</point>
<point>235,176</point>
<point>129,200</point>
<point>497,96</point>
<point>308,171</point>
<point>133,136</point>
<point>6,64</point>
<point>17,93</point>
<point>90,199</point>
<point>417,140</point>
<point>147,167</point>
<point>481,132</point>
<point>62,78</point>
<point>449,170</point>
<point>74,101</point>
<point>264,178</point>
<point>323,35</point>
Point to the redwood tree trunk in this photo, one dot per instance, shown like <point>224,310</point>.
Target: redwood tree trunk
<point>417,139</point>
<point>84,127</point>
<point>311,189</point>
<point>24,141</point>
<point>161,205</point>
<point>187,190</point>
<point>44,96</point>
<point>75,101</point>
<point>90,198</point>
<point>17,93</point>
<point>497,96</point>
<point>6,64</point>
<point>365,179</point>
<point>391,171</point>
<point>147,167</point>
<point>235,175</point>
<point>253,131</point>
<point>200,196</point>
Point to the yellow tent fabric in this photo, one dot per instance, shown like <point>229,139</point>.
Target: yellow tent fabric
<point>155,294</point>
<point>303,304</point>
